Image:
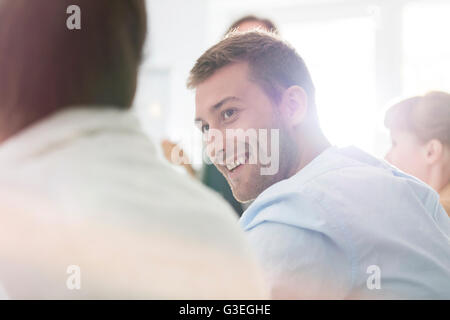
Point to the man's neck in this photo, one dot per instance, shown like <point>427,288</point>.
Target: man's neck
<point>312,146</point>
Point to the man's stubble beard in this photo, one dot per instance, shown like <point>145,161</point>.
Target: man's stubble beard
<point>257,182</point>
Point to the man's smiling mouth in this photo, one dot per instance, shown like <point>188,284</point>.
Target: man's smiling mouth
<point>232,164</point>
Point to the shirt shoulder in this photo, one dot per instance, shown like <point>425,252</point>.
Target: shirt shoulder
<point>356,200</point>
<point>370,212</point>
<point>345,181</point>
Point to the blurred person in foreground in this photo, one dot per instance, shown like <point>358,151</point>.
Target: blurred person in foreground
<point>88,210</point>
<point>328,222</point>
<point>420,133</point>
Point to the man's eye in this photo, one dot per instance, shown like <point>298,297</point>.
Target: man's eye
<point>205,128</point>
<point>228,114</point>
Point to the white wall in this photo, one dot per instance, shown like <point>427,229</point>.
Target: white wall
<point>176,39</point>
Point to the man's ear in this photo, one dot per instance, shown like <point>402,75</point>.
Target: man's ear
<point>294,105</point>
<point>434,150</point>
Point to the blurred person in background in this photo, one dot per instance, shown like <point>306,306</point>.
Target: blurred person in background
<point>212,177</point>
<point>420,132</point>
<point>329,222</point>
<point>251,22</point>
<point>87,209</point>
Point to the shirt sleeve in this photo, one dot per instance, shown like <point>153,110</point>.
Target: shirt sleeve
<point>300,261</point>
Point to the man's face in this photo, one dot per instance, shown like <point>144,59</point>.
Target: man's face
<point>230,100</point>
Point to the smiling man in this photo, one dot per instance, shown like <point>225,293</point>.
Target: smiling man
<point>329,222</point>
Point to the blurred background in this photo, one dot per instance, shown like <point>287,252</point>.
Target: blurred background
<point>362,54</point>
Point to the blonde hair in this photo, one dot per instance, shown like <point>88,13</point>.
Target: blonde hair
<point>427,116</point>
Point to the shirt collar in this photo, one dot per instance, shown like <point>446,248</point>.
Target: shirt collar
<point>64,126</point>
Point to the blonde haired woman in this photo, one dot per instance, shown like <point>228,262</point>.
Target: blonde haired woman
<point>420,131</point>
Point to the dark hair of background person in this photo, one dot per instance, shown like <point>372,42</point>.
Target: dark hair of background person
<point>269,25</point>
<point>45,67</point>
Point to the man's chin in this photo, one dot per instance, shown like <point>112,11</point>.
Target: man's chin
<point>243,197</point>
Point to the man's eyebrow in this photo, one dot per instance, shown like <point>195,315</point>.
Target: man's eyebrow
<point>218,105</point>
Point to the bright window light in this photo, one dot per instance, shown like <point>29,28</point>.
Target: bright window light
<point>426,48</point>
<point>340,57</point>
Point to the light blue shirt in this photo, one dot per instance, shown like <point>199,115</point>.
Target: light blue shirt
<point>351,226</point>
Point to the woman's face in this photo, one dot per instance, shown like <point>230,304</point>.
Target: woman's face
<point>408,154</point>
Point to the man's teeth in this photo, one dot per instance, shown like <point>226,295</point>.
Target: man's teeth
<point>231,166</point>
<point>237,163</point>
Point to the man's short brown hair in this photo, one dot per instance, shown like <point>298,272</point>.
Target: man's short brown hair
<point>273,64</point>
